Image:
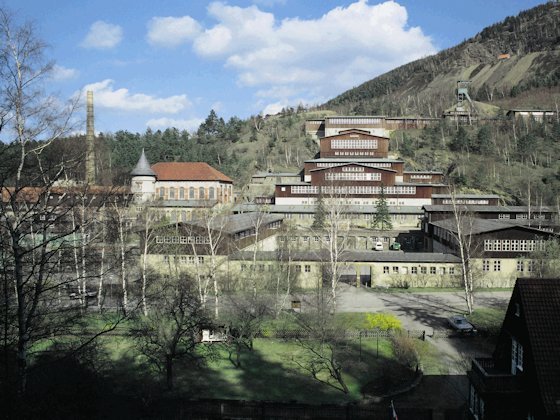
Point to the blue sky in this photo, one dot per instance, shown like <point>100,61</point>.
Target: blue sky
<point>167,63</point>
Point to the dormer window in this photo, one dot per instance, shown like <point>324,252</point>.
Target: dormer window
<point>516,357</point>
<point>517,309</point>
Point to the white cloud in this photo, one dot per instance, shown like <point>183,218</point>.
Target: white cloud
<point>63,73</point>
<point>121,99</point>
<point>172,31</point>
<point>310,58</point>
<point>103,35</point>
<point>189,124</point>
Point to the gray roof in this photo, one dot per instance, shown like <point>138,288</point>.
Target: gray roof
<point>423,172</point>
<point>474,226</point>
<point>143,167</point>
<point>273,174</point>
<point>353,256</point>
<point>488,209</point>
<point>238,222</point>
<point>310,208</point>
<point>465,195</point>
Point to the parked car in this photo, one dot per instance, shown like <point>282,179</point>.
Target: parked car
<point>378,246</point>
<point>461,324</point>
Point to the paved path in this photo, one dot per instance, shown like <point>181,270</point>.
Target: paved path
<point>428,311</point>
<point>417,311</point>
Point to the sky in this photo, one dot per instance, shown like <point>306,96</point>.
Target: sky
<point>167,63</point>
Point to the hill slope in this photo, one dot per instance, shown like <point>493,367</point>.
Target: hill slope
<point>530,77</point>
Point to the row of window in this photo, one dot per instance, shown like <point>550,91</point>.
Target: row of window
<point>354,144</point>
<point>272,267</point>
<point>466,201</point>
<point>356,216</point>
<point>354,189</point>
<point>418,270</point>
<point>326,238</point>
<point>354,153</point>
<point>354,121</point>
<point>418,176</point>
<point>353,169</point>
<point>184,259</point>
<point>497,264</point>
<point>513,245</point>
<point>353,176</point>
<point>523,216</point>
<point>331,164</point>
<point>173,193</point>
<point>182,240</point>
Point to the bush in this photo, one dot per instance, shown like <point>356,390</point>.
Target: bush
<point>404,349</point>
<point>383,321</point>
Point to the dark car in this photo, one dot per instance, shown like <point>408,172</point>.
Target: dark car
<point>461,324</point>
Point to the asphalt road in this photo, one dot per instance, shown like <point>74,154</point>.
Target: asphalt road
<point>417,311</point>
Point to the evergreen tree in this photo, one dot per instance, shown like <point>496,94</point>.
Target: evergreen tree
<point>382,218</point>
<point>320,216</point>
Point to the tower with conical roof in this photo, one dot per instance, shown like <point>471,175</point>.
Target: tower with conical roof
<point>143,183</point>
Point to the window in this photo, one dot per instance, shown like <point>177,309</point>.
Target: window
<point>201,193</point>
<point>161,192</point>
<point>298,268</point>
<point>243,267</point>
<point>261,267</point>
<point>171,193</point>
<point>516,357</point>
<point>191,259</point>
<point>497,265</point>
<point>531,266</point>
<point>183,259</point>
<point>476,404</point>
<point>182,193</point>
<point>316,238</point>
<point>413,270</point>
<point>442,270</point>
<point>306,239</point>
<point>432,270</point>
<point>191,193</point>
<point>520,266</point>
<point>452,270</point>
<point>201,260</point>
<point>166,258</point>
<point>395,270</point>
<point>503,216</point>
<point>485,265</point>
<point>517,309</point>
<point>423,270</point>
<point>385,270</point>
<point>211,193</point>
<point>308,269</point>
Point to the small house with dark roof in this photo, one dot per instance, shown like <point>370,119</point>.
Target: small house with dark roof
<point>522,378</point>
<point>180,187</point>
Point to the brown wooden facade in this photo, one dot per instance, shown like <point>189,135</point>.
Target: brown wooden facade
<point>347,145</point>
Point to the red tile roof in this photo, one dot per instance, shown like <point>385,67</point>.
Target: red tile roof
<point>188,171</point>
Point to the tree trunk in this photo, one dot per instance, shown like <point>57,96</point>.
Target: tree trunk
<point>169,371</point>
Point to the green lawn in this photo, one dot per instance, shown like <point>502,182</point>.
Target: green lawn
<point>268,372</point>
<point>488,318</point>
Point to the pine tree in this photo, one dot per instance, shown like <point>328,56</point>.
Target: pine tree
<point>382,218</point>
<point>320,213</point>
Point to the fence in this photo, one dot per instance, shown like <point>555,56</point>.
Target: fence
<point>292,333</point>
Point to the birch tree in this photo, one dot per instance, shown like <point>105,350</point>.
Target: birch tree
<point>35,212</point>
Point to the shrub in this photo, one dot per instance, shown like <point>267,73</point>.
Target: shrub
<point>404,349</point>
<point>383,321</point>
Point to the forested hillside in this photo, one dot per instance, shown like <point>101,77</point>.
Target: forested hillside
<point>530,77</point>
<point>516,159</point>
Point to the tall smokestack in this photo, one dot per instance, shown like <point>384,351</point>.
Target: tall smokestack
<point>90,135</point>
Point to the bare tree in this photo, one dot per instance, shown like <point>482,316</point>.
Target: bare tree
<point>35,213</point>
<point>334,236</point>
<point>172,328</point>
<point>463,221</point>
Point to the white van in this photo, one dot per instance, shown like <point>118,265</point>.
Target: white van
<point>378,246</point>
